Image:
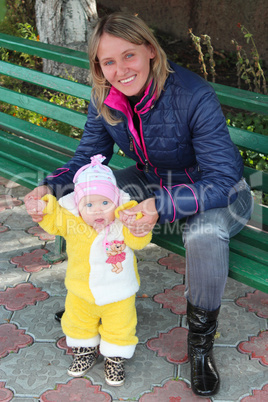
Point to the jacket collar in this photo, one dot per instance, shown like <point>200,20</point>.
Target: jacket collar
<point>118,101</point>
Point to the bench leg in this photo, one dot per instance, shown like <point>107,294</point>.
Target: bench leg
<point>59,253</point>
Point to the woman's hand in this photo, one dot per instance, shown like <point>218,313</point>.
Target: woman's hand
<point>34,204</point>
<point>140,227</point>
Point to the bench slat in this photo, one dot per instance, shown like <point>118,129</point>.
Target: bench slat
<point>259,216</point>
<point>257,179</point>
<point>249,140</point>
<point>51,52</point>
<point>250,252</point>
<point>20,174</point>
<point>119,162</point>
<point>30,154</point>
<point>48,109</point>
<point>45,80</point>
<point>38,134</point>
<point>248,272</point>
<point>242,99</point>
<point>254,237</point>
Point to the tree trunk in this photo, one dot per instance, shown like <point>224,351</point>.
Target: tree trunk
<point>65,23</point>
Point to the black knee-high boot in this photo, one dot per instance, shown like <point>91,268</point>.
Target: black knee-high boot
<point>202,328</point>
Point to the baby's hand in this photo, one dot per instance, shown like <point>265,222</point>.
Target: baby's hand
<point>35,205</point>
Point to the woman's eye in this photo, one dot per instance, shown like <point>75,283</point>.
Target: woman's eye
<point>129,55</point>
<point>109,63</point>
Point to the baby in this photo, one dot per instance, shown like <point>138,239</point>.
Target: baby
<point>102,277</point>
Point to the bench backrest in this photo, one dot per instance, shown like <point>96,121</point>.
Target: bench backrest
<point>65,146</point>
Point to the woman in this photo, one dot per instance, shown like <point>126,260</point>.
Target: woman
<point>170,122</point>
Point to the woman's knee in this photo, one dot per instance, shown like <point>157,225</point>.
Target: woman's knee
<point>198,232</point>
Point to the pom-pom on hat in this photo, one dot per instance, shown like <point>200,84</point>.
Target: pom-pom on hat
<point>95,178</point>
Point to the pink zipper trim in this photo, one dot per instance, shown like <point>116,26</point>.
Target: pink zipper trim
<point>65,170</point>
<point>144,110</point>
<point>161,180</point>
<point>189,177</point>
<point>138,167</point>
<point>174,209</point>
<point>136,152</point>
<point>196,202</point>
<point>117,101</point>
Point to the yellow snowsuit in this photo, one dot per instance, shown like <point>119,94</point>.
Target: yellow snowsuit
<point>100,304</point>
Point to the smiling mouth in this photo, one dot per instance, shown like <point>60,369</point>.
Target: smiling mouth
<point>127,80</point>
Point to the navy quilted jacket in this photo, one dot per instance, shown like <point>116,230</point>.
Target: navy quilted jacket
<point>183,145</point>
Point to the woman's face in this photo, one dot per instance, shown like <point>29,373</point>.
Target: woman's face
<point>125,65</point>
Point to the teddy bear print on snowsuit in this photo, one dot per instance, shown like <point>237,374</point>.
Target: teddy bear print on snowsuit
<point>116,255</point>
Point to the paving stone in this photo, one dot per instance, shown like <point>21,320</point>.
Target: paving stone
<point>155,277</point>
<point>12,339</point>
<point>6,394</point>
<point>256,347</point>
<point>51,280</point>
<point>235,326</point>
<point>173,299</point>
<point>143,369</point>
<point>175,390</point>
<point>5,316</point>
<point>8,202</point>
<point>257,395</point>
<point>19,219</point>
<point>31,262</point>
<point>235,289</point>
<point>17,191</point>
<point>37,231</point>
<point>151,252</point>
<point>152,319</point>
<point>78,389</point>
<point>256,302</point>
<point>7,184</point>
<point>39,319</point>
<point>4,214</point>
<point>11,276</point>
<point>3,228</point>
<point>174,262</point>
<point>34,369</point>
<point>14,243</point>
<point>171,345</point>
<point>22,295</point>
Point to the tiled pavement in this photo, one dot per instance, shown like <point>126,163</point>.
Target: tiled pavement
<point>33,353</point>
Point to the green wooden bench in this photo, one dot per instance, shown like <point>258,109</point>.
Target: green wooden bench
<point>29,152</point>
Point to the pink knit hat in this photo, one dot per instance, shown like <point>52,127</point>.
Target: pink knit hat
<point>96,178</point>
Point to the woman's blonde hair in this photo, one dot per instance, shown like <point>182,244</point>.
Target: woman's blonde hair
<point>131,28</point>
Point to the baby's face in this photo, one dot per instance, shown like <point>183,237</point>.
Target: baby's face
<point>97,211</point>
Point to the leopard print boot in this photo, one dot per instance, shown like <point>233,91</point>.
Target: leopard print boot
<point>114,371</point>
<point>84,359</point>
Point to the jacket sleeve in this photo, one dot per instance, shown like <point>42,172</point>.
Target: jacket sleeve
<point>55,220</point>
<point>136,243</point>
<point>218,159</point>
<point>95,140</point>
